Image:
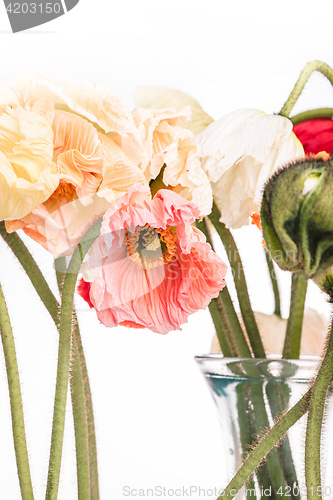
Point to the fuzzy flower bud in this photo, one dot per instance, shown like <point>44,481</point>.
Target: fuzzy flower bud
<point>297,217</point>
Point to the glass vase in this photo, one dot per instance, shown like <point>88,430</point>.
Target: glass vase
<point>250,394</point>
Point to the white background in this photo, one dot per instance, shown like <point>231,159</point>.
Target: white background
<point>156,423</point>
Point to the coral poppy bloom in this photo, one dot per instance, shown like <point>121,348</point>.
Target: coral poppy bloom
<point>315,135</point>
<point>149,267</point>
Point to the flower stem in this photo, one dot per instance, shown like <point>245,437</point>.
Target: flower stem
<point>85,440</point>
<point>65,331</point>
<point>16,406</point>
<point>220,329</point>
<point>42,288</point>
<point>228,316</point>
<point>315,422</point>
<point>312,114</point>
<point>278,398</point>
<point>292,343</point>
<point>265,445</point>
<point>272,274</point>
<point>34,273</point>
<point>300,84</point>
<point>234,324</point>
<point>240,283</point>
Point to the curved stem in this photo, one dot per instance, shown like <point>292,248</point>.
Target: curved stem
<point>312,66</point>
<point>16,406</point>
<point>272,274</point>
<point>312,114</point>
<point>65,331</point>
<point>315,422</point>
<point>265,445</point>
<point>240,283</point>
<point>292,343</point>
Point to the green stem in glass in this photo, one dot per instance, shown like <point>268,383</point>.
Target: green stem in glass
<point>240,283</point>
<point>265,445</point>
<point>312,66</point>
<point>292,343</point>
<point>65,331</point>
<point>85,440</point>
<point>275,286</point>
<point>315,422</point>
<point>16,406</point>
<point>274,467</point>
<point>278,399</point>
<point>312,114</point>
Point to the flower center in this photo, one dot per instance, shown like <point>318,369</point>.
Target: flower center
<point>150,247</point>
<point>64,190</point>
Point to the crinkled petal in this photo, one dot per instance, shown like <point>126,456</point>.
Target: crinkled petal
<point>239,153</point>
<point>119,171</point>
<point>96,102</point>
<point>60,231</point>
<point>27,175</point>
<point>164,97</point>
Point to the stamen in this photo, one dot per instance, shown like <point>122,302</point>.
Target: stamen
<point>64,190</point>
<point>151,247</point>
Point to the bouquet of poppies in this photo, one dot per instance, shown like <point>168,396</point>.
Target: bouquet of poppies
<point>124,203</point>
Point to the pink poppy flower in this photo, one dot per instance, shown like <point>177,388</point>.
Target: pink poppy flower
<point>149,267</point>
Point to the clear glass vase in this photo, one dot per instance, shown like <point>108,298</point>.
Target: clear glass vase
<point>250,394</point>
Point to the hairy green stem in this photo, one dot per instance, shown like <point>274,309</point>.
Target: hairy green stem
<point>85,440</point>
<point>220,329</point>
<point>16,406</point>
<point>312,66</point>
<point>42,288</point>
<point>315,422</point>
<point>65,332</point>
<point>240,283</point>
<point>292,343</point>
<point>32,270</point>
<point>312,114</point>
<point>78,403</point>
<point>265,445</point>
<point>229,319</point>
<point>275,286</point>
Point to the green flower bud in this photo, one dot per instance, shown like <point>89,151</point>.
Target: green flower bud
<point>297,217</point>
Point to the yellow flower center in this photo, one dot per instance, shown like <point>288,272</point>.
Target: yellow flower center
<point>150,247</point>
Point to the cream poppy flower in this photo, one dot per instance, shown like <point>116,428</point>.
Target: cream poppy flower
<point>273,329</point>
<point>239,153</point>
<point>93,171</point>
<point>164,97</point>
<point>171,158</point>
<point>27,174</point>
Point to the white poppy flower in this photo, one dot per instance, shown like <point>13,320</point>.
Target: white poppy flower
<point>239,153</point>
